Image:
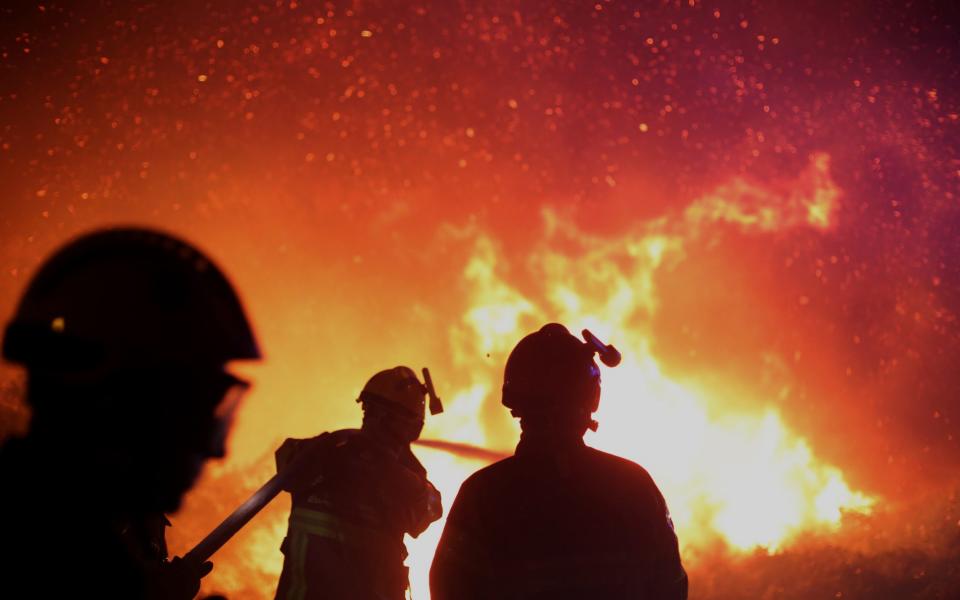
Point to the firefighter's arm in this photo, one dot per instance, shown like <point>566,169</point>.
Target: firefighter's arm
<point>430,509</point>
<point>434,503</point>
<point>174,580</point>
<point>670,582</point>
<point>460,568</point>
<point>424,500</point>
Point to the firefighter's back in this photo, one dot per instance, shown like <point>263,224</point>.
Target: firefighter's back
<point>345,537</point>
<point>558,519</point>
<point>566,523</point>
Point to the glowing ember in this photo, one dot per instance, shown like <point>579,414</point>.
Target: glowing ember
<point>731,468</point>
<point>422,183</point>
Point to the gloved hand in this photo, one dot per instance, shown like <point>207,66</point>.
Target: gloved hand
<point>176,580</point>
<point>426,510</point>
<point>434,503</point>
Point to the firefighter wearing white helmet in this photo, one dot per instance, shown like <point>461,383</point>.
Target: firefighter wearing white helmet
<point>125,335</point>
<point>559,519</point>
<point>356,496</point>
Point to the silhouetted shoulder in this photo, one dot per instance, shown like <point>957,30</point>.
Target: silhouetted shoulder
<point>618,465</point>
<point>501,469</point>
<point>596,464</point>
<point>592,478</point>
<point>342,437</point>
<point>410,461</point>
<point>619,469</point>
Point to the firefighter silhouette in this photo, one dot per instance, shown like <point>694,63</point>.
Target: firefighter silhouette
<point>558,519</point>
<point>356,493</point>
<point>125,335</point>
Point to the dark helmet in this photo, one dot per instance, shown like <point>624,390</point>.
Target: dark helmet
<point>550,370</point>
<point>126,335</point>
<point>127,297</point>
<point>398,393</point>
<point>397,387</point>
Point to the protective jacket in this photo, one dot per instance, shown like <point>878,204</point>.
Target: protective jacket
<point>33,562</point>
<point>558,521</point>
<point>352,505</point>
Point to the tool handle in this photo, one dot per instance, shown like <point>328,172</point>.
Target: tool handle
<point>215,540</point>
<point>229,527</point>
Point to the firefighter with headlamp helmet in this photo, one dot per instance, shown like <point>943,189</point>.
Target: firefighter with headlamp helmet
<point>551,382</point>
<point>356,493</point>
<point>558,519</point>
<point>125,335</point>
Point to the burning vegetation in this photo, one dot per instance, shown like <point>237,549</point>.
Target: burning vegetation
<point>756,204</point>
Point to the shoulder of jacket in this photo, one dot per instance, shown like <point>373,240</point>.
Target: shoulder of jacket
<point>624,468</point>
<point>410,460</point>
<point>503,469</point>
<point>616,462</point>
<point>342,437</point>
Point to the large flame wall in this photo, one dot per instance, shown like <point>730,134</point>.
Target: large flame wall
<point>757,204</point>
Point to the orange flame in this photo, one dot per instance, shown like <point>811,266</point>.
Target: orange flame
<point>742,477</point>
<point>730,474</point>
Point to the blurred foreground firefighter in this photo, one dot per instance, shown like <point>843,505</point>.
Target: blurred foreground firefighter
<point>125,335</point>
<point>558,519</point>
<point>356,492</point>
